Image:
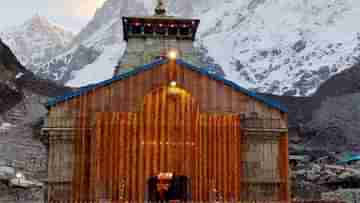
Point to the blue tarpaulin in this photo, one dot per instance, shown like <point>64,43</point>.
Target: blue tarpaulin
<point>349,158</point>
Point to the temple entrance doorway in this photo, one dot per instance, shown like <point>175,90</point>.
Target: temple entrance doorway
<point>167,187</point>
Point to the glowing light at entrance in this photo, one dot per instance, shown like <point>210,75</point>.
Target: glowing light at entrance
<point>165,175</point>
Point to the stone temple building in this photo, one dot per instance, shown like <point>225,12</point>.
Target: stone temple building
<point>166,127</point>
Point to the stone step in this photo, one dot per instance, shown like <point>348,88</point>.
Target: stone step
<point>17,114</point>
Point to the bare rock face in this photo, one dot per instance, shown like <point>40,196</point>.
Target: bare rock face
<point>9,97</point>
<point>334,121</point>
<point>336,124</point>
<point>299,46</point>
<point>328,120</point>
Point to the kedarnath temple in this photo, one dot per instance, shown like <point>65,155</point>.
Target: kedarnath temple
<point>166,128</point>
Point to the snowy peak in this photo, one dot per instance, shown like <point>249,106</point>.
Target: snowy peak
<point>105,28</point>
<point>55,33</point>
<point>97,49</point>
<point>36,40</point>
<point>38,20</point>
<point>281,46</point>
<point>274,46</point>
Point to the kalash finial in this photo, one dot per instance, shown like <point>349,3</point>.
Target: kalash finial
<point>160,8</point>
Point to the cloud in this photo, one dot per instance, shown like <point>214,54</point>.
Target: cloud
<point>79,7</point>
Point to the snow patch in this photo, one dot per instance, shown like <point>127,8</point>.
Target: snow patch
<point>19,75</point>
<point>102,69</point>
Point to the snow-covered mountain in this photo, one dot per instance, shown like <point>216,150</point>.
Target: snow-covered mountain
<point>97,49</point>
<point>36,41</point>
<point>274,46</point>
<point>282,46</point>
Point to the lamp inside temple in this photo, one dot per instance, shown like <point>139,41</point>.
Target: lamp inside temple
<point>173,84</point>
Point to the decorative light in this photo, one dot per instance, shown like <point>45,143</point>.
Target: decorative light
<point>19,175</point>
<point>173,84</point>
<point>172,54</point>
<point>165,175</point>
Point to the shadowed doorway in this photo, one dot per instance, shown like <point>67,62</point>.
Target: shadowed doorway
<point>166,187</point>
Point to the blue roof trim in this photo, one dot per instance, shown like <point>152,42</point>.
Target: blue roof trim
<point>136,70</point>
<point>269,102</point>
<point>85,89</point>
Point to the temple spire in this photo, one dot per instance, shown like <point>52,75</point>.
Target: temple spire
<point>160,9</point>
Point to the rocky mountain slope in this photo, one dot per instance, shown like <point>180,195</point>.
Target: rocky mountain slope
<point>21,110</point>
<point>338,114</point>
<point>273,46</point>
<point>328,120</point>
<point>36,41</point>
<point>323,129</point>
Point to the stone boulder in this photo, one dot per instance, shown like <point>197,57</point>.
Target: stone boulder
<point>24,183</point>
<point>6,172</point>
<point>345,195</point>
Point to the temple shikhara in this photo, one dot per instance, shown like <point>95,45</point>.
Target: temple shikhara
<point>166,127</point>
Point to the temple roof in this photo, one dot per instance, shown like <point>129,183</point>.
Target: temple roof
<point>159,26</point>
<point>157,63</point>
<point>160,18</point>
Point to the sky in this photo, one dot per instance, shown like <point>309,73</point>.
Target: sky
<point>70,14</point>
